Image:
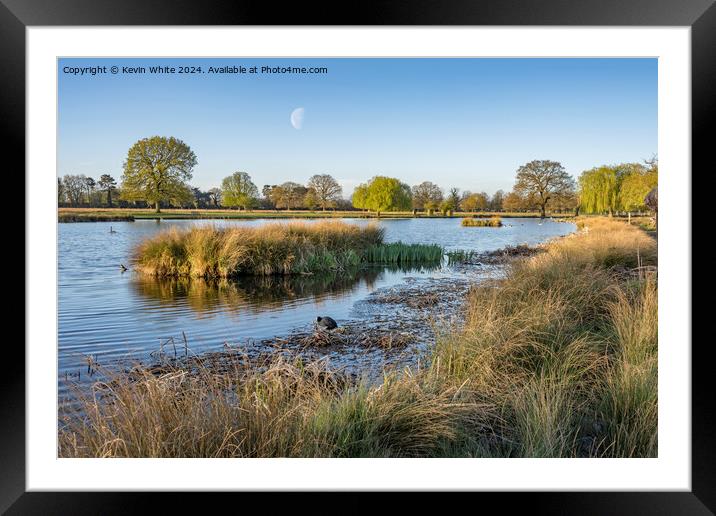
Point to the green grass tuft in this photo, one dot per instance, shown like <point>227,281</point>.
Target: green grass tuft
<point>400,253</point>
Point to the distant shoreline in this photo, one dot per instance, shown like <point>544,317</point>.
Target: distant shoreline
<point>129,214</point>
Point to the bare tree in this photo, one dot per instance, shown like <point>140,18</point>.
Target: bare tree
<point>543,179</point>
<point>427,196</point>
<point>60,191</point>
<point>90,184</point>
<point>327,191</point>
<point>74,188</point>
<point>288,195</point>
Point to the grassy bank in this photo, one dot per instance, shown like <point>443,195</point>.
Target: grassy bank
<point>100,214</point>
<point>558,359</point>
<point>293,248</point>
<point>94,217</point>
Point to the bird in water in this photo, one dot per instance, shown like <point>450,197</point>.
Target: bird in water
<point>326,323</point>
<point>111,230</point>
<point>122,267</point>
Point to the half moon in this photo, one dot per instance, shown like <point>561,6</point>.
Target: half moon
<point>297,118</point>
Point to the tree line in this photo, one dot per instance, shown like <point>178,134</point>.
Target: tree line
<point>157,172</point>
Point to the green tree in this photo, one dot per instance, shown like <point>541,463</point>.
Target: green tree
<point>452,201</point>
<point>107,184</point>
<point>311,200</point>
<point>90,185</point>
<point>156,170</point>
<point>238,190</point>
<point>635,185</point>
<point>325,190</point>
<point>386,194</point>
<point>599,189</point>
<point>543,179</point>
<point>427,196</point>
<point>360,197</point>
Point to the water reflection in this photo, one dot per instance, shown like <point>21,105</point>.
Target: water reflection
<point>258,293</point>
<point>112,315</point>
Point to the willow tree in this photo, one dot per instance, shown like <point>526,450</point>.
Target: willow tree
<point>637,182</point>
<point>542,180</point>
<point>157,170</point>
<point>599,190</point>
<point>383,194</point>
<point>388,194</point>
<point>238,190</point>
<point>360,196</point>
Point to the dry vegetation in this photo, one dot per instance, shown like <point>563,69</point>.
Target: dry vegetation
<point>492,222</point>
<point>559,359</point>
<point>292,248</point>
<point>273,249</point>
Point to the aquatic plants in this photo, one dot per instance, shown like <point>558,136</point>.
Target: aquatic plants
<point>400,253</point>
<point>462,256</point>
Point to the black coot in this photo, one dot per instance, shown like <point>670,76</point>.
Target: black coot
<point>326,323</point>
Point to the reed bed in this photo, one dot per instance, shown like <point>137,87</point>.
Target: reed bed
<point>492,222</point>
<point>403,254</point>
<point>558,359</point>
<point>462,256</point>
<point>293,248</point>
<point>274,249</point>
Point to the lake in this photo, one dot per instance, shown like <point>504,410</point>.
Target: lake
<point>113,315</point>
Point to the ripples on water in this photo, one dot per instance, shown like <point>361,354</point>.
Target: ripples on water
<point>113,315</point>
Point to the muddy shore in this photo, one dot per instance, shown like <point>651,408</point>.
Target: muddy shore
<point>394,327</point>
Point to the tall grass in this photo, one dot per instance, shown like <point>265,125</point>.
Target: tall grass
<point>558,359</point>
<point>492,222</point>
<point>294,248</point>
<point>400,253</point>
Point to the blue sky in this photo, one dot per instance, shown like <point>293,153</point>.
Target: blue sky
<point>468,123</point>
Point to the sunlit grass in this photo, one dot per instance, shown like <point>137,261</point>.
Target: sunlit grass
<point>274,249</point>
<point>558,359</point>
<point>492,222</point>
<point>293,248</point>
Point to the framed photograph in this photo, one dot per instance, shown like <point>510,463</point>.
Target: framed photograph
<point>429,248</point>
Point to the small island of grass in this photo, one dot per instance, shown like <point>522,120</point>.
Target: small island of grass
<point>294,248</point>
<point>492,222</point>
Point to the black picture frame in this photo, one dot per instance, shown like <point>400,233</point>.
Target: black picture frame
<point>700,15</point>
